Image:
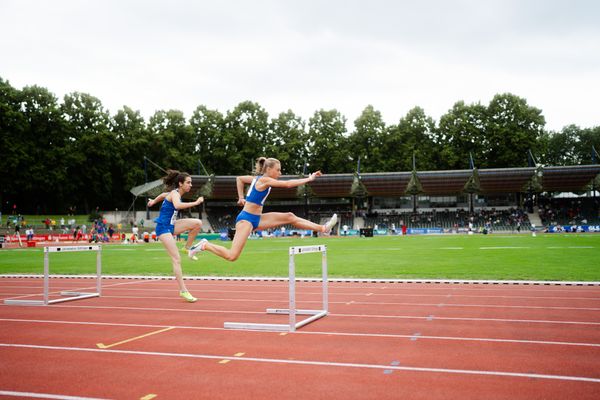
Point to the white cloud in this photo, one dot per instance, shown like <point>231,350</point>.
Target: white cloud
<point>307,55</point>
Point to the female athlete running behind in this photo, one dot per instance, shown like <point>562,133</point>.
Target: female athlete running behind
<point>268,171</point>
<point>168,226</point>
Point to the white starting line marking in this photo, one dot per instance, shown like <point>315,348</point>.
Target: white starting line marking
<point>309,362</point>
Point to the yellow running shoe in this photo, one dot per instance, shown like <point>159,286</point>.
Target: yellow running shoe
<point>185,250</point>
<point>188,297</point>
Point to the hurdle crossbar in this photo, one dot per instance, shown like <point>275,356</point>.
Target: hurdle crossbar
<point>292,311</point>
<point>72,295</point>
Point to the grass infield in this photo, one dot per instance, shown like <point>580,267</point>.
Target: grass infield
<point>558,257</point>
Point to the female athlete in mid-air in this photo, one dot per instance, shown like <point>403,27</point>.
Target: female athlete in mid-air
<point>168,226</point>
<point>268,171</point>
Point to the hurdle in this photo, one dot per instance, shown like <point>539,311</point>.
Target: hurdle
<point>292,311</point>
<point>72,295</point>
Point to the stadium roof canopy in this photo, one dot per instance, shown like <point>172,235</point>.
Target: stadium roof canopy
<point>434,183</point>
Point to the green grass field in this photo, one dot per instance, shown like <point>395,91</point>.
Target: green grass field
<point>568,257</point>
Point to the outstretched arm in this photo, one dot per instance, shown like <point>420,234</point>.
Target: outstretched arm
<point>180,205</point>
<point>266,181</point>
<point>158,198</point>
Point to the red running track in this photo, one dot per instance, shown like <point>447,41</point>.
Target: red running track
<point>380,341</point>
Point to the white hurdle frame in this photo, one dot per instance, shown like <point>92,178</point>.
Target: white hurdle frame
<point>292,311</point>
<point>73,295</point>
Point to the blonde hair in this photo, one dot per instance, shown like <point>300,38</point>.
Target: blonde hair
<point>262,163</point>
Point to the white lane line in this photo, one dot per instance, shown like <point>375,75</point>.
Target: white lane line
<point>503,247</point>
<point>451,248</point>
<point>404,284</point>
<point>527,321</point>
<point>202,298</point>
<point>333,292</point>
<point>482,306</point>
<point>332,333</point>
<point>335,315</point>
<point>309,362</point>
<point>45,395</point>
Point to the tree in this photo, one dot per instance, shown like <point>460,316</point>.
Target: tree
<point>88,153</point>
<point>13,148</point>
<point>43,164</point>
<point>367,140</point>
<point>461,132</point>
<point>327,145</point>
<point>172,141</point>
<point>248,136</point>
<point>583,146</point>
<point>132,137</point>
<point>558,148</point>
<point>289,142</point>
<point>413,134</point>
<point>208,128</point>
<point>512,128</point>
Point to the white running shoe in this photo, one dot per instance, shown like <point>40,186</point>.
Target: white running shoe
<point>331,223</point>
<point>198,247</point>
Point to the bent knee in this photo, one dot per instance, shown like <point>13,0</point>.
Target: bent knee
<point>233,257</point>
<point>291,217</point>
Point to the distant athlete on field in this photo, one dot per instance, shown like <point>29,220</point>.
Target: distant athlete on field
<point>267,172</point>
<point>168,226</point>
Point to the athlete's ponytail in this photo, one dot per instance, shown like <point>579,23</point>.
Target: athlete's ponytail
<point>174,178</point>
<point>262,163</point>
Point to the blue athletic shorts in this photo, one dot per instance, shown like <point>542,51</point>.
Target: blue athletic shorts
<point>246,216</point>
<point>163,228</point>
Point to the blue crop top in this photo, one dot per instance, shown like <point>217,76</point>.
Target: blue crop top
<point>168,213</point>
<point>256,196</point>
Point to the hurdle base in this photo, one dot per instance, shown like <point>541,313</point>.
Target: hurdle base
<point>257,327</point>
<point>24,302</point>
<point>316,314</point>
<point>74,296</point>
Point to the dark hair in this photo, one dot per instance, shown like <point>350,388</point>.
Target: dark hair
<point>262,163</point>
<point>174,178</point>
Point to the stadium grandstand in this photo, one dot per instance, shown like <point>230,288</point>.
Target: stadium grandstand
<point>494,200</point>
<point>503,199</point>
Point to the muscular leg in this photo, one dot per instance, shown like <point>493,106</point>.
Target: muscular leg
<point>169,242</point>
<point>275,219</point>
<point>242,231</point>
<point>192,225</point>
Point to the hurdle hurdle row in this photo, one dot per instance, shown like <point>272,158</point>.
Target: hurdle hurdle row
<point>71,294</point>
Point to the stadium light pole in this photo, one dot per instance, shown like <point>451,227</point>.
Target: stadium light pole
<point>304,170</point>
<point>145,181</point>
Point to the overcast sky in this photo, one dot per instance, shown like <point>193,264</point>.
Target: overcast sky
<point>310,54</point>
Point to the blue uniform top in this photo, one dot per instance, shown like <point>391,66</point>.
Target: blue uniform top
<point>256,196</point>
<point>168,213</point>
